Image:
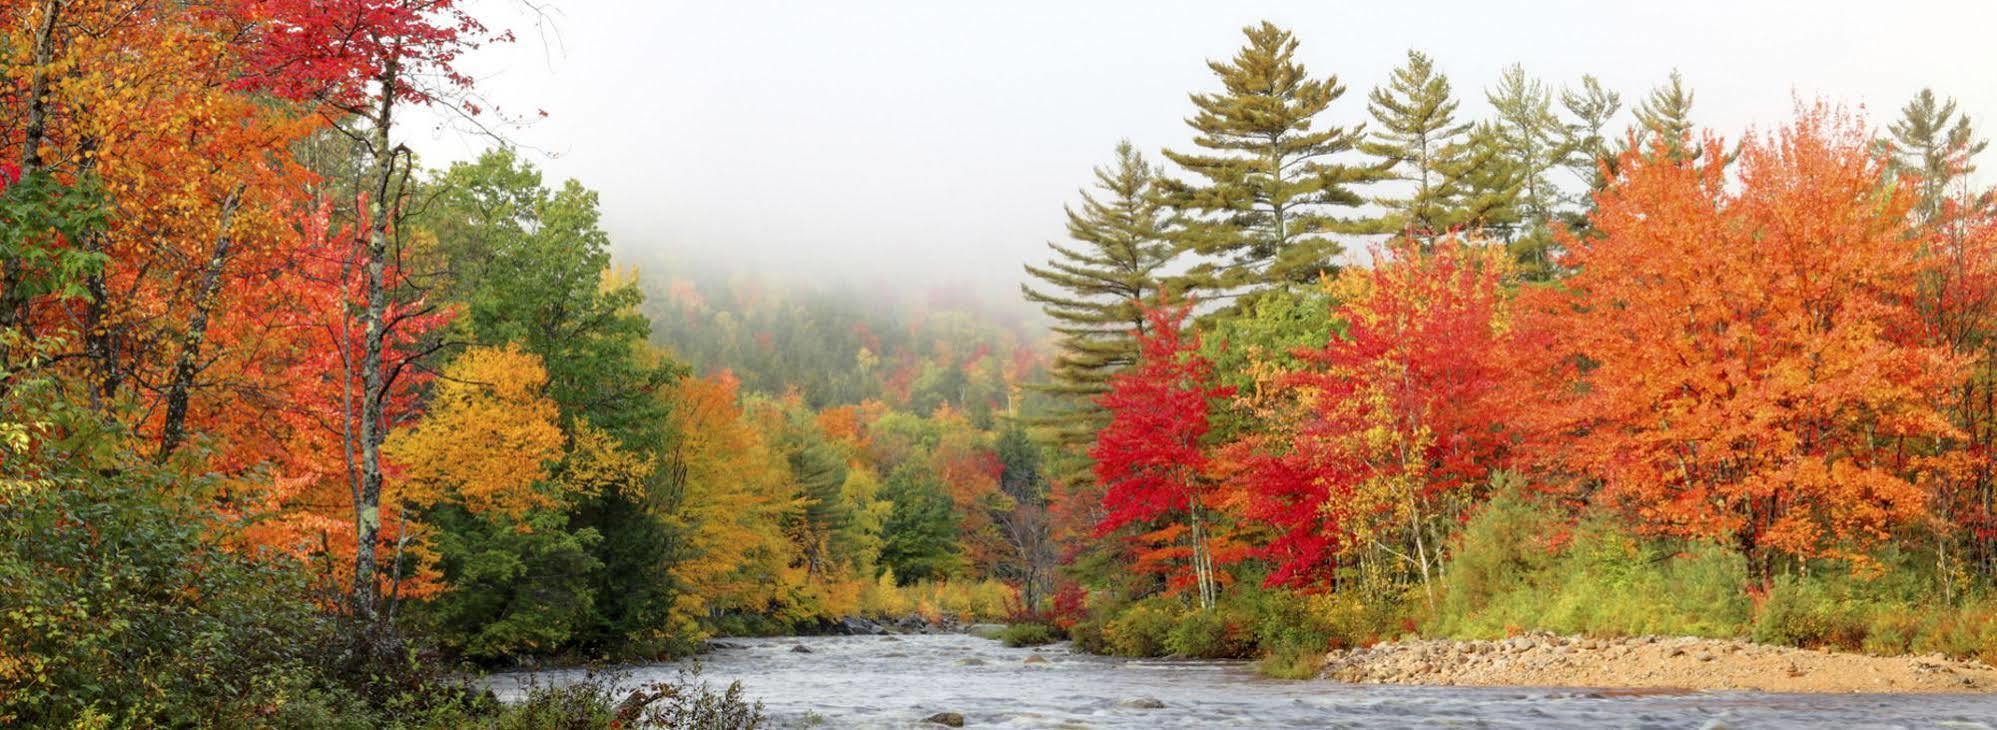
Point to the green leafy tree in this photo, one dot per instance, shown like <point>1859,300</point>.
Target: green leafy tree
<point>1093,289</point>
<point>1267,183</point>
<point>919,537</point>
<point>532,267</point>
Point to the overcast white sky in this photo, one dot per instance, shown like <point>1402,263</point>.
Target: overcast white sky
<point>936,142</point>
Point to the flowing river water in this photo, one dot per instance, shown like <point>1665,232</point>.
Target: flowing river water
<point>896,682</point>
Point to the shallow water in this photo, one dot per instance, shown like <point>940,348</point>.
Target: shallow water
<point>871,681</point>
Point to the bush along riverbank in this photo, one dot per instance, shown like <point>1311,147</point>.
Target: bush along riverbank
<point>1529,598</point>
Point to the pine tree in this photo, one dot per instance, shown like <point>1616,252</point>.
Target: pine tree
<point>1094,291</point>
<point>1534,143</point>
<point>1591,107</point>
<point>1490,183</point>
<point>1934,144</point>
<point>1267,181</point>
<point>1590,156</point>
<point>1418,138</point>
<point>1666,116</point>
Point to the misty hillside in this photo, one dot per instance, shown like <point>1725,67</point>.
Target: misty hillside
<point>838,345</point>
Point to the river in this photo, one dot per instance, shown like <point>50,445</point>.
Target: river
<point>895,682</point>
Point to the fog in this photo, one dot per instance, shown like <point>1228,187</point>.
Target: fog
<point>927,145</point>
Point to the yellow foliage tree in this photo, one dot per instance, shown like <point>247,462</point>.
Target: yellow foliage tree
<point>735,493</point>
<point>487,440</point>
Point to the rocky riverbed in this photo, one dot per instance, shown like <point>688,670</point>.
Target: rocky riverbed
<point>1651,663</point>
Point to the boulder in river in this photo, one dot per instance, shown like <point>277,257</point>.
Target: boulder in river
<point>1036,659</point>
<point>800,649</point>
<point>1142,703</point>
<point>856,626</point>
<point>971,662</point>
<point>946,719</point>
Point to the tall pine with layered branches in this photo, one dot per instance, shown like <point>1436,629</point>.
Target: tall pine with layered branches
<point>1094,289</point>
<point>1417,137</point>
<point>1264,193</point>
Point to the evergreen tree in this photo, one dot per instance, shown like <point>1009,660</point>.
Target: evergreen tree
<point>1592,107</point>
<point>1935,145</point>
<point>1267,182</point>
<point>1534,143</point>
<point>1417,136</point>
<point>1666,116</point>
<point>1094,290</point>
<point>1590,156</point>
<point>919,537</point>
<point>1491,184</point>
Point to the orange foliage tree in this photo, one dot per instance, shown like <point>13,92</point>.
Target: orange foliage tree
<point>1747,360</point>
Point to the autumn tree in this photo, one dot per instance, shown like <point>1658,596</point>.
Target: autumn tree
<point>1094,290</point>
<point>737,493</point>
<point>1152,458</point>
<point>1746,372</point>
<point>1266,190</point>
<point>1382,438</point>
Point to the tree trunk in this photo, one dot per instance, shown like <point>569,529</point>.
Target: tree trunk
<point>1202,562</point>
<point>173,428</point>
<point>381,208</point>
<point>14,311</point>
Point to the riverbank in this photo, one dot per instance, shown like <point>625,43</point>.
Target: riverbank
<point>1651,663</point>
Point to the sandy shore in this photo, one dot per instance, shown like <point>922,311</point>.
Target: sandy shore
<point>1652,663</point>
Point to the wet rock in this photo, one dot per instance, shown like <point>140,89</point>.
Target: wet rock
<point>889,638</point>
<point>971,662</point>
<point>946,719</point>
<point>856,626</point>
<point>1036,659</point>
<point>800,649</point>
<point>1142,703</point>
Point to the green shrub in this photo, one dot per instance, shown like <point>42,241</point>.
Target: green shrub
<point>596,702</point>
<point>1140,630</point>
<point>111,595</point>
<point>1090,635</point>
<point>1810,613</point>
<point>1290,661</point>
<point>1217,634</point>
<point>1017,635</point>
<point>1509,574</point>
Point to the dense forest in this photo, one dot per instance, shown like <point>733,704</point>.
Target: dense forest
<point>281,402</point>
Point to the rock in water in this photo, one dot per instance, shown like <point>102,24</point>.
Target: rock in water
<point>800,649</point>
<point>1036,659</point>
<point>971,662</point>
<point>946,719</point>
<point>1142,703</point>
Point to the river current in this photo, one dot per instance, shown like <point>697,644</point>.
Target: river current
<point>895,682</point>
